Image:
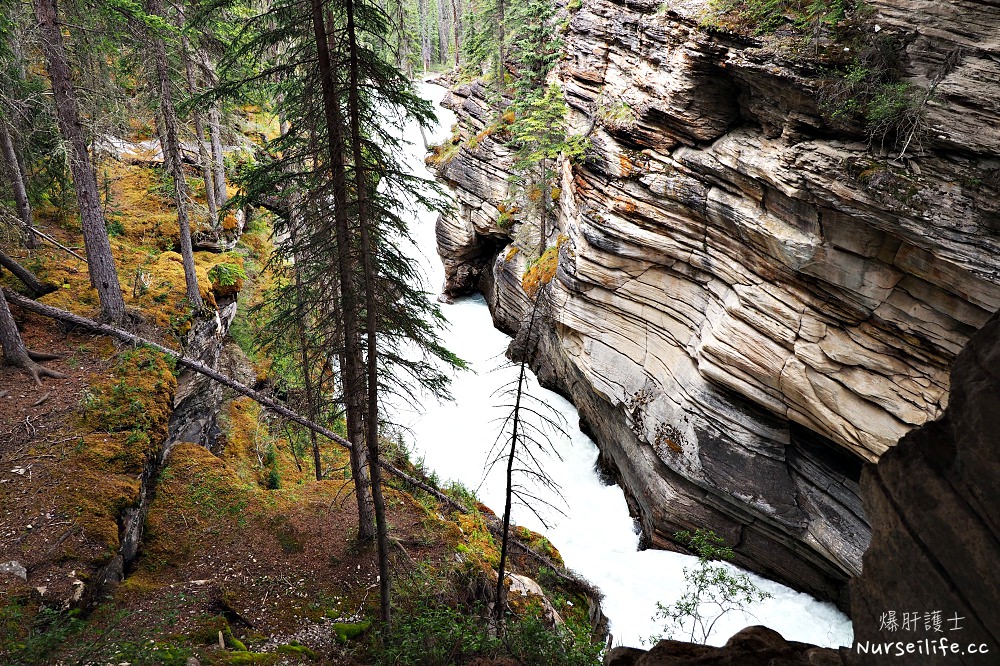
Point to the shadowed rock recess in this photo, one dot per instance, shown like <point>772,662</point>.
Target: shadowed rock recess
<point>934,500</point>
<point>753,300</point>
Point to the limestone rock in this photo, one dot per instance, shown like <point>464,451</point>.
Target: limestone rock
<point>751,303</point>
<point>934,503</point>
<point>14,568</point>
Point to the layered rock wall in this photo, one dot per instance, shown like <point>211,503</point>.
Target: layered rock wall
<point>753,299</point>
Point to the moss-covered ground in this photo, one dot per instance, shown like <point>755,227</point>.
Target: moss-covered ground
<point>246,558</point>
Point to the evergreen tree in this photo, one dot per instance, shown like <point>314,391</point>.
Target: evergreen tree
<point>156,29</point>
<point>541,136</point>
<point>100,261</point>
<point>337,164</point>
<point>536,48</point>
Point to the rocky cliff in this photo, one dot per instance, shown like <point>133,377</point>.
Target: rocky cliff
<point>931,570</point>
<point>756,295</point>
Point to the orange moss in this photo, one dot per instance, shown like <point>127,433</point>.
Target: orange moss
<point>125,421</point>
<point>475,543</point>
<point>626,165</point>
<point>511,252</point>
<point>539,543</point>
<point>543,270</point>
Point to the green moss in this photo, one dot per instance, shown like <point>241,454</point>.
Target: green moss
<point>252,658</point>
<point>231,641</point>
<point>347,631</point>
<point>294,648</point>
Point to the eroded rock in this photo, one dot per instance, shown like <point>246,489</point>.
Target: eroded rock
<point>934,502</point>
<point>751,303</point>
<point>753,646</point>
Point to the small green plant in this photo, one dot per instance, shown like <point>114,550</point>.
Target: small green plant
<point>713,590</point>
<point>273,480</point>
<point>162,184</point>
<point>616,116</point>
<point>226,274</point>
<point>434,635</point>
<point>32,639</point>
<point>115,227</point>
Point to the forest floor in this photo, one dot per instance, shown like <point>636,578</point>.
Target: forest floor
<point>245,557</point>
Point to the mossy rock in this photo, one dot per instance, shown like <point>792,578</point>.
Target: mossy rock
<point>296,648</point>
<point>207,630</point>
<point>347,631</point>
<point>232,642</point>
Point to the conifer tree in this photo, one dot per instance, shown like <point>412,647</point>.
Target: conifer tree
<point>337,163</point>
<point>156,27</point>
<point>541,136</point>
<point>100,261</point>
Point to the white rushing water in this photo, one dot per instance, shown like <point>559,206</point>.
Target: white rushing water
<point>596,536</point>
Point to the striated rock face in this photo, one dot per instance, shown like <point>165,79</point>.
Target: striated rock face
<point>935,507</point>
<point>751,302</point>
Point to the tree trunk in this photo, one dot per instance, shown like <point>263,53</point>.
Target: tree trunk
<point>442,12</point>
<point>353,370</point>
<point>295,221</point>
<point>456,17</point>
<point>219,177</point>
<point>173,148</point>
<point>425,42</point>
<point>365,222</point>
<point>161,135</point>
<point>17,183</point>
<point>100,261</point>
<point>36,286</point>
<point>14,352</point>
<point>501,51</point>
<point>215,132</point>
<point>199,129</point>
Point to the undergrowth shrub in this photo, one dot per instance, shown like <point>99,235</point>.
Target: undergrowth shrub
<point>441,636</point>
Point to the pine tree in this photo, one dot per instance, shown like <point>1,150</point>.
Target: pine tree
<point>156,27</point>
<point>541,136</point>
<point>336,163</point>
<point>100,261</point>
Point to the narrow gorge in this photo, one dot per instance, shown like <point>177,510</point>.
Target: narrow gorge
<point>758,288</point>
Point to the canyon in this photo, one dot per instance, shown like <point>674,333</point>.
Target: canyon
<point>755,296</point>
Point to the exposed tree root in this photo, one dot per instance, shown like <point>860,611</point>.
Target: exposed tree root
<point>42,356</point>
<point>37,371</point>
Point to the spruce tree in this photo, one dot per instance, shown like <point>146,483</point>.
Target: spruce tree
<point>338,164</point>
<point>100,261</point>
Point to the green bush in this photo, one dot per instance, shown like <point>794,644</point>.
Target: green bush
<point>433,635</point>
<point>226,275</point>
<point>712,590</point>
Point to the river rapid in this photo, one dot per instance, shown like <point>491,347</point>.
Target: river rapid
<point>594,531</point>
